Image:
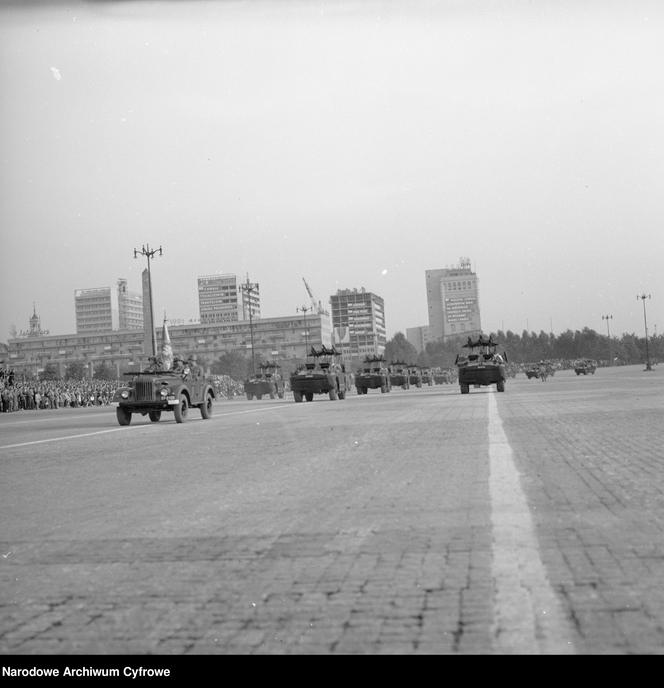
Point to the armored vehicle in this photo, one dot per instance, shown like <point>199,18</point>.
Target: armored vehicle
<point>399,375</point>
<point>442,377</point>
<point>268,381</point>
<point>414,375</point>
<point>322,373</point>
<point>427,376</point>
<point>153,391</point>
<point>374,374</point>
<point>532,371</point>
<point>482,366</point>
<point>585,366</point>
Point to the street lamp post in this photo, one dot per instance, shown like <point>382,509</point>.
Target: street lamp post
<point>250,288</point>
<point>304,310</point>
<point>643,298</point>
<point>608,334</point>
<point>150,253</point>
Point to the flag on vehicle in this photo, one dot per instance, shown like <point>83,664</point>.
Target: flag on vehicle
<point>166,348</point>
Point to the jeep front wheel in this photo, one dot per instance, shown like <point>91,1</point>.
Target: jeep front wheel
<point>206,407</point>
<point>124,416</point>
<point>180,411</point>
<point>465,389</point>
<point>154,415</point>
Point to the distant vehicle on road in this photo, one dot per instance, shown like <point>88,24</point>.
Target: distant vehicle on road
<point>482,366</point>
<point>374,374</point>
<point>151,392</point>
<point>267,382</point>
<point>399,376</point>
<point>585,366</point>
<point>322,373</point>
<point>414,375</point>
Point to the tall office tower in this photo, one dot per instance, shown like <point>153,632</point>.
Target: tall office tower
<point>96,310</point>
<point>221,298</point>
<point>453,301</point>
<point>130,307</point>
<point>358,323</point>
<point>103,309</point>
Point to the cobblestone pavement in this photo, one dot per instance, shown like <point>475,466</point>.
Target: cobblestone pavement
<point>418,521</point>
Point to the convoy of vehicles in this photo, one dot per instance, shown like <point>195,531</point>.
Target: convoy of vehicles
<point>322,373</point>
<point>481,366</point>
<point>267,382</point>
<point>374,374</point>
<point>153,392</point>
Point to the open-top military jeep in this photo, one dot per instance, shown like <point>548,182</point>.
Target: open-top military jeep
<point>152,392</point>
<point>399,376</point>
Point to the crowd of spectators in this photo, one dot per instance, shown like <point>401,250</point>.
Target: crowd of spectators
<point>34,395</point>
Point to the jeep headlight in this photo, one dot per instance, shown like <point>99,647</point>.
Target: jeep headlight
<point>124,394</point>
<point>164,392</point>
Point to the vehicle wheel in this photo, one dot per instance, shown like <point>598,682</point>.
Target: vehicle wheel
<point>206,407</point>
<point>297,396</point>
<point>180,411</point>
<point>259,397</point>
<point>334,395</point>
<point>309,396</point>
<point>124,416</point>
<point>342,394</point>
<point>250,396</point>
<point>464,388</point>
<point>154,415</point>
<point>500,386</point>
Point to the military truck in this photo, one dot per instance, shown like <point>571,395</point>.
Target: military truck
<point>399,375</point>
<point>266,382</point>
<point>585,366</point>
<point>373,374</point>
<point>322,373</point>
<point>414,375</point>
<point>481,366</point>
<point>152,392</point>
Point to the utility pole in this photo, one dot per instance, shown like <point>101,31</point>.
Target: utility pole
<point>249,288</point>
<point>150,253</point>
<point>643,298</point>
<point>608,334</point>
<point>304,310</point>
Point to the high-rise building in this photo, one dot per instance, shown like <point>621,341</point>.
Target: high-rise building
<point>104,309</point>
<point>453,301</point>
<point>222,299</point>
<point>358,323</point>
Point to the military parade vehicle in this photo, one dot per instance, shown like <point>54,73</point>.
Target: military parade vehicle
<point>399,375</point>
<point>585,366</point>
<point>267,382</point>
<point>427,376</point>
<point>532,371</point>
<point>481,366</point>
<point>414,375</point>
<point>374,374</point>
<point>322,373</point>
<point>442,377</point>
<point>154,391</point>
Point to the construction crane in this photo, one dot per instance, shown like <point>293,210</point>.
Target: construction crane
<point>317,306</point>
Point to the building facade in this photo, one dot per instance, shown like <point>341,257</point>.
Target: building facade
<point>418,337</point>
<point>453,302</point>
<point>358,323</point>
<point>283,339</point>
<point>222,299</point>
<point>104,309</point>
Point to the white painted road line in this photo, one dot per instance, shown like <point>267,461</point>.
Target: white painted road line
<point>528,618</point>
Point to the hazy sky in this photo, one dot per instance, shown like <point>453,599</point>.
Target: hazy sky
<point>352,143</point>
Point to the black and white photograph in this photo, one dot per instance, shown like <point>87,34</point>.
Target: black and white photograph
<point>329,327</point>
